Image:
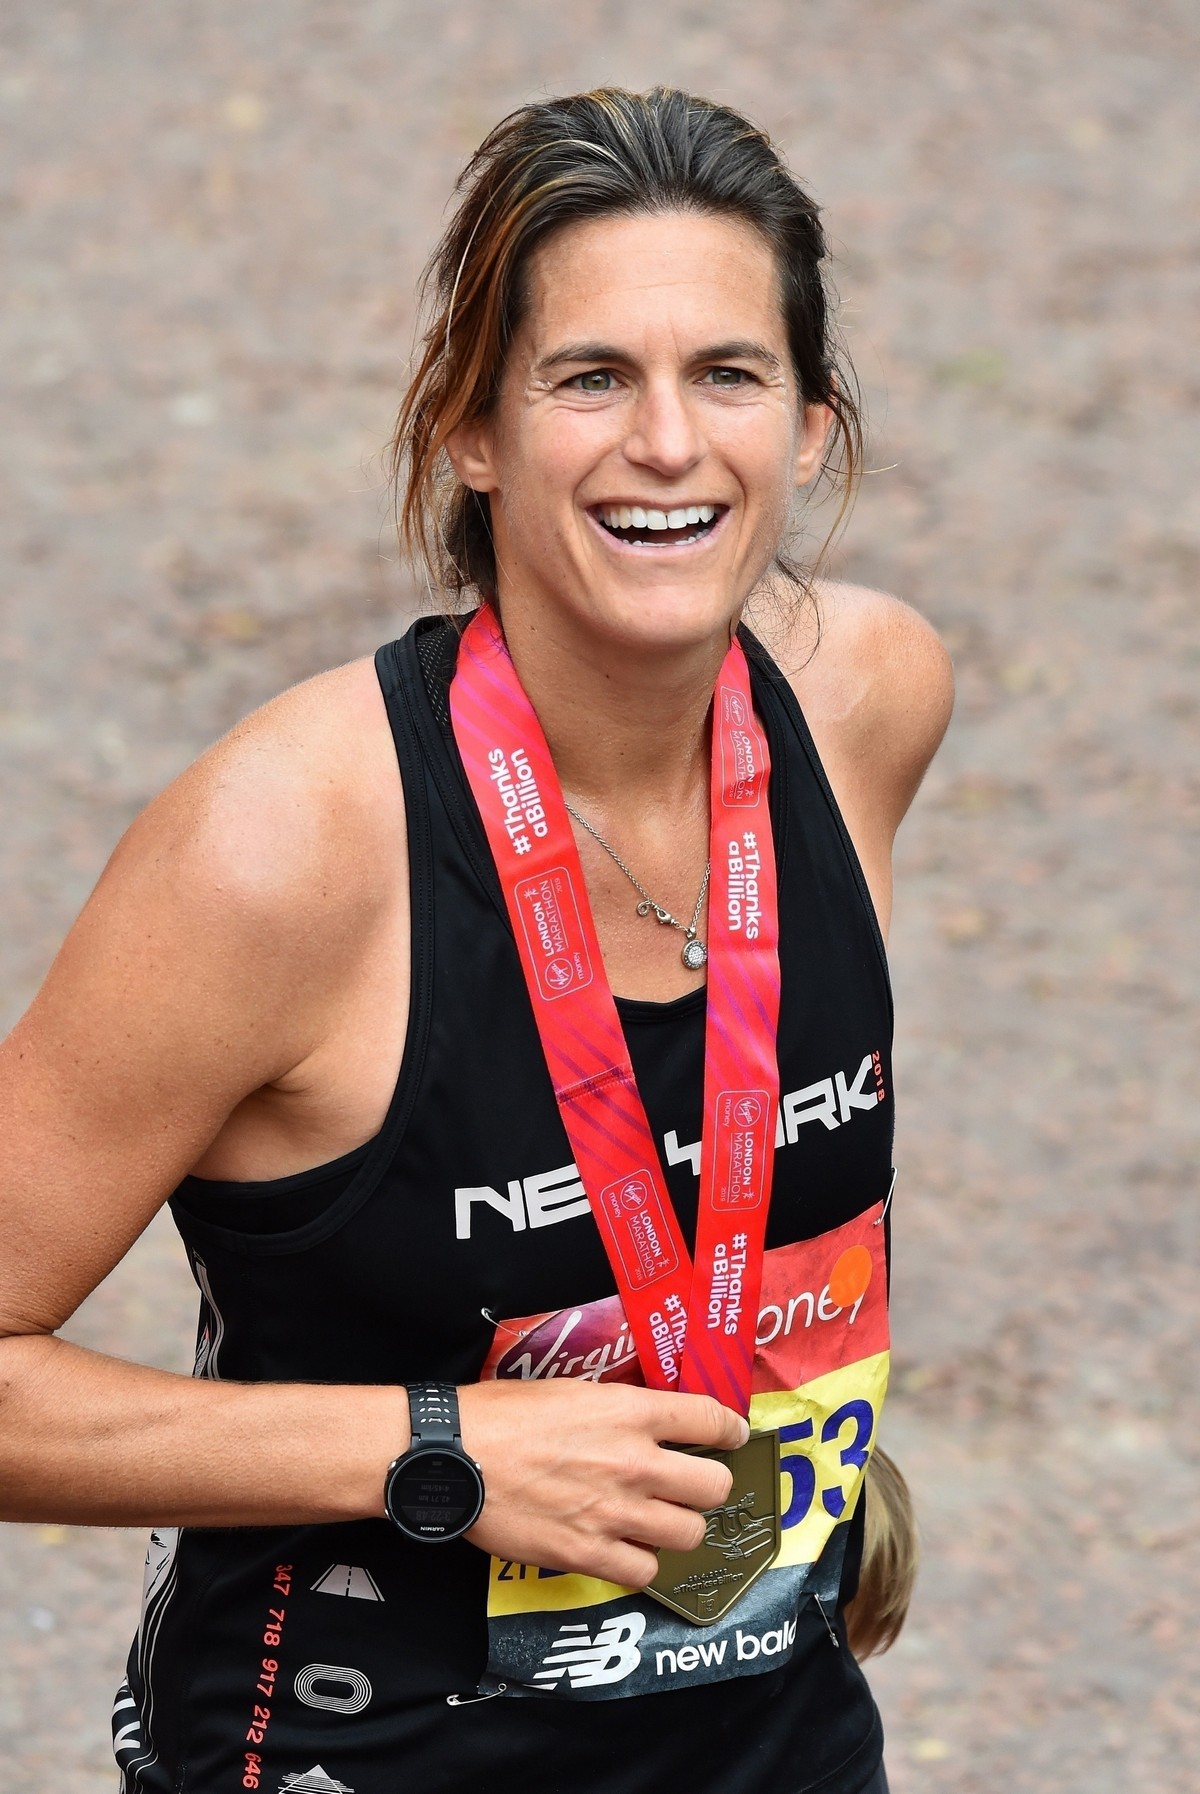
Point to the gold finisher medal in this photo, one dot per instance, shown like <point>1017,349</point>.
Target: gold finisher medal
<point>741,1539</point>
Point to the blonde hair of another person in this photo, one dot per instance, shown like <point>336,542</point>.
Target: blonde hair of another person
<point>889,1563</point>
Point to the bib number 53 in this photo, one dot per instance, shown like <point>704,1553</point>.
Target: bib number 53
<point>856,1418</point>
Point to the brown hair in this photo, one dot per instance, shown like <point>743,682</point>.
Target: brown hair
<point>889,1562</point>
<point>594,155</point>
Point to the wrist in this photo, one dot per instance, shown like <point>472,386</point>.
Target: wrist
<point>372,1429</point>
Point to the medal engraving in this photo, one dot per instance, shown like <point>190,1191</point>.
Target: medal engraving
<point>741,1539</point>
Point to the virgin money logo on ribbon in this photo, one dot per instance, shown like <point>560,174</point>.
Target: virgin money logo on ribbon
<point>741,770</point>
<point>640,1228</point>
<point>549,912</point>
<point>742,1127</point>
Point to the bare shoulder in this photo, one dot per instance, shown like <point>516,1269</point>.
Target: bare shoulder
<point>254,878</point>
<point>876,686</point>
<point>293,805</point>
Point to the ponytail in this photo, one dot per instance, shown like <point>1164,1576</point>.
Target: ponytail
<point>889,1563</point>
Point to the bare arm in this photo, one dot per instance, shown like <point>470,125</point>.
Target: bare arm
<point>207,966</point>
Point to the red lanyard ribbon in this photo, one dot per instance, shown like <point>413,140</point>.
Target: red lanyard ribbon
<point>694,1328</point>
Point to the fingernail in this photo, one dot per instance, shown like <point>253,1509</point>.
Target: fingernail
<point>745,1428</point>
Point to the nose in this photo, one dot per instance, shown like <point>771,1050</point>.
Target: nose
<point>665,436</point>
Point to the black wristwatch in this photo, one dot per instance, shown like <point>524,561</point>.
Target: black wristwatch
<point>435,1491</point>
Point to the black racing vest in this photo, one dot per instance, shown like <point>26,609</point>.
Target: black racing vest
<point>320,1658</point>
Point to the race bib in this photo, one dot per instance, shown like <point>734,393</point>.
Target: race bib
<point>820,1376</point>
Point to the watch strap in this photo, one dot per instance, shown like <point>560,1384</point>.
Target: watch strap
<point>433,1413</point>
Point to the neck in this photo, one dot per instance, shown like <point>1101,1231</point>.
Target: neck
<point>627,727</point>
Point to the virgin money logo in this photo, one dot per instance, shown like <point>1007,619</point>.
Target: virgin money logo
<point>634,1194</point>
<point>593,1342</point>
<point>747,1112</point>
<point>735,708</point>
<point>559,973</point>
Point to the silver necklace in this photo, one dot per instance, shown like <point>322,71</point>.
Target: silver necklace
<point>695,953</point>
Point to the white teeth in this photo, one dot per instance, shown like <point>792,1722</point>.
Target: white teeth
<point>635,517</point>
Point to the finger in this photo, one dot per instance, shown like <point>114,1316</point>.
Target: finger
<point>701,1420</point>
<point>666,1527</point>
<point>690,1481</point>
<point>623,1560</point>
<point>626,1562</point>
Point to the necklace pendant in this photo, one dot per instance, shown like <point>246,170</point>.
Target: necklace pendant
<point>694,955</point>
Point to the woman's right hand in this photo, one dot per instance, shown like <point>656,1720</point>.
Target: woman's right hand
<point>577,1474</point>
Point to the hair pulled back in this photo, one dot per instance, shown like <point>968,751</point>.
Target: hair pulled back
<point>593,155</point>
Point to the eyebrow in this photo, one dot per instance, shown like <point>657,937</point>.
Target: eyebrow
<point>737,349</point>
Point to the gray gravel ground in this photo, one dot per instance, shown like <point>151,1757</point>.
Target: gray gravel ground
<point>213,219</point>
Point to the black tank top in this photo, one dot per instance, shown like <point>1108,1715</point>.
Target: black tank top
<point>321,1658</point>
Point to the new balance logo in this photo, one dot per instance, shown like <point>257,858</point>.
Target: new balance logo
<point>588,1662</point>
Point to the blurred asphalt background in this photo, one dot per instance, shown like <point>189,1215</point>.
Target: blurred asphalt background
<point>213,218</point>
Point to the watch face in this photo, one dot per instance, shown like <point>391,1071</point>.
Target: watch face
<point>434,1494</point>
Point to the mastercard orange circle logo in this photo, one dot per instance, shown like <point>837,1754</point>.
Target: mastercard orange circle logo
<point>850,1277</point>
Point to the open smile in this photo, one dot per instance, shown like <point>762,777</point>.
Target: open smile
<point>636,526</point>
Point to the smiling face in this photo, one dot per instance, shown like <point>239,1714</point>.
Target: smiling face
<point>648,437</point>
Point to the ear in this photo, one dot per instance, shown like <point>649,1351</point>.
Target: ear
<point>472,455</point>
<point>810,445</point>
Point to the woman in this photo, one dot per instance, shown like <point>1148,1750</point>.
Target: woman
<point>360,1025</point>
